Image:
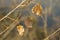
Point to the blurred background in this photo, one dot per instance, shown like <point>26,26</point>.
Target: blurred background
<point>43,28</point>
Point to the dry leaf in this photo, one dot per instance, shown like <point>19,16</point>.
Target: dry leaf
<point>20,30</point>
<point>37,9</point>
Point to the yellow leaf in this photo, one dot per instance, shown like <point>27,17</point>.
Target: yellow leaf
<point>37,9</point>
<point>20,30</point>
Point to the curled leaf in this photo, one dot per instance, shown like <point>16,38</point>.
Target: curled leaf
<point>37,9</point>
<point>20,30</point>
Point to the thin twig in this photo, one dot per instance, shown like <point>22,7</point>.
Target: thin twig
<point>52,34</point>
<point>12,10</point>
